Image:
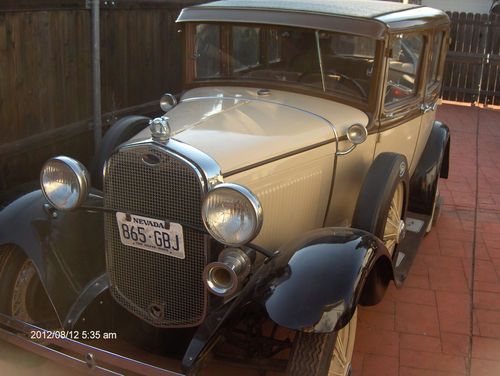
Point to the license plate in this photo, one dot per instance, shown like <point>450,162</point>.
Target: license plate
<point>151,234</point>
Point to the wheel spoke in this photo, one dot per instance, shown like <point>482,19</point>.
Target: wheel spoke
<point>390,236</point>
<point>19,308</point>
<point>338,373</point>
<point>394,211</point>
<point>390,244</point>
<point>392,223</point>
<point>340,349</point>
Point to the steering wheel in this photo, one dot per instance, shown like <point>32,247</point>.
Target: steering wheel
<point>329,74</point>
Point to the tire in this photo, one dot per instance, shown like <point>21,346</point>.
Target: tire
<point>121,131</point>
<point>322,354</point>
<point>381,208</point>
<point>22,295</point>
<point>436,211</point>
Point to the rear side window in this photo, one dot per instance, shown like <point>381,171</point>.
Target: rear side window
<point>435,59</point>
<point>404,67</point>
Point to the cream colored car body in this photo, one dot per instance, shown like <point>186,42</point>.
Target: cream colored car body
<point>282,147</point>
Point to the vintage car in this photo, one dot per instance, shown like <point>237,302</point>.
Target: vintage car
<point>291,181</point>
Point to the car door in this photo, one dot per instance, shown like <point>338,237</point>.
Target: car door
<point>400,120</point>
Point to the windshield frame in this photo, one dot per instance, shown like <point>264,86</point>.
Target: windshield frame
<point>369,105</point>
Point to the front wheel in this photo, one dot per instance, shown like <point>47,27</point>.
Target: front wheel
<point>22,295</point>
<point>323,354</point>
<point>382,201</point>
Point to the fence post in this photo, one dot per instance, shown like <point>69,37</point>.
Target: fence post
<point>96,74</point>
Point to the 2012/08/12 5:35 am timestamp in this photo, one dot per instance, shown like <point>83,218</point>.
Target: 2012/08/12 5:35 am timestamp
<point>71,334</point>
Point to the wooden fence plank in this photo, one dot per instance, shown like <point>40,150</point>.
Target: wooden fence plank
<point>490,84</point>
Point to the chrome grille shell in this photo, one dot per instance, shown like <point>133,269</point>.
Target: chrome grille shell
<point>172,190</point>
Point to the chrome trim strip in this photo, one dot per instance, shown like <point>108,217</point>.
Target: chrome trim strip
<point>277,158</point>
<point>207,169</point>
<point>91,355</point>
<point>206,163</point>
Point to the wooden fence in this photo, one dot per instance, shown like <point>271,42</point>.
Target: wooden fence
<point>472,70</point>
<point>46,77</point>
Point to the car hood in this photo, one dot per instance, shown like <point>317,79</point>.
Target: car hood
<point>237,127</point>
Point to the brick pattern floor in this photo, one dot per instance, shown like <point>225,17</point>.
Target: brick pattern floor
<point>446,318</point>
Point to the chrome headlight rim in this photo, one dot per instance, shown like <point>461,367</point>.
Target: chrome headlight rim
<point>254,203</point>
<point>82,176</point>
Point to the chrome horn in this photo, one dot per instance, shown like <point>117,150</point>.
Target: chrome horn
<point>222,277</point>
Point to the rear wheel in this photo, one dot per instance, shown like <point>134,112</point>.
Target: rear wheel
<point>22,295</point>
<point>436,211</point>
<point>323,354</point>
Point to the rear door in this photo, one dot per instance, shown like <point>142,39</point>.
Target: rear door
<point>433,81</point>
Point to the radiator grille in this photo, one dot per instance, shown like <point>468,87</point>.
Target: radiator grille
<point>139,279</point>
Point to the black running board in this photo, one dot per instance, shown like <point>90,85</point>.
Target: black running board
<point>416,225</point>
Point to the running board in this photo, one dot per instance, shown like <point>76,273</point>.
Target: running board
<point>84,358</point>
<point>416,224</point>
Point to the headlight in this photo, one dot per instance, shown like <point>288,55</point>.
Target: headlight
<point>65,182</point>
<point>232,214</point>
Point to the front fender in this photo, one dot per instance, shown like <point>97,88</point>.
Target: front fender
<point>67,248</point>
<point>312,284</point>
<point>319,279</point>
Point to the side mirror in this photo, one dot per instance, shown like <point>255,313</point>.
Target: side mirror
<point>167,102</point>
<point>356,134</point>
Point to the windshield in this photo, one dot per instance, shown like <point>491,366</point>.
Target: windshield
<point>317,60</point>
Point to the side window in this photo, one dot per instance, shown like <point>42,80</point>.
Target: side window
<point>404,67</point>
<point>432,76</point>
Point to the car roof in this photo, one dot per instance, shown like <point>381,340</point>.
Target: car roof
<point>362,17</point>
<point>359,8</point>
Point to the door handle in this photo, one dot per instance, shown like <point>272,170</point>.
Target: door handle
<point>426,107</point>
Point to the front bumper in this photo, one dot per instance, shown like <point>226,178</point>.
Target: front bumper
<point>73,354</point>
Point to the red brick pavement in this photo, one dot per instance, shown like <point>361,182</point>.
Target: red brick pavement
<point>430,327</point>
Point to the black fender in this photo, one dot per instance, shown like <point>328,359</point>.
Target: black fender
<point>433,163</point>
<point>67,248</point>
<point>318,280</point>
<point>312,284</point>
